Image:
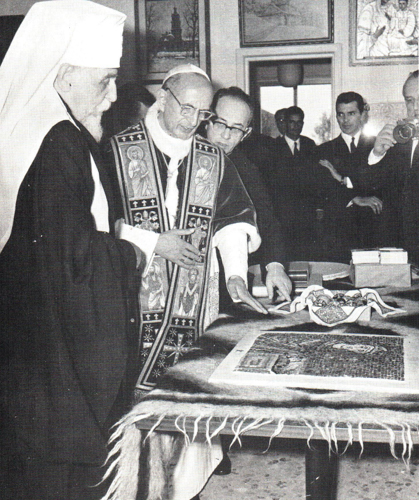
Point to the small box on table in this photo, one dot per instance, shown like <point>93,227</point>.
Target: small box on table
<point>375,275</point>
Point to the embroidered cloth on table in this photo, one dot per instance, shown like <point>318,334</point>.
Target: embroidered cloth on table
<point>329,308</point>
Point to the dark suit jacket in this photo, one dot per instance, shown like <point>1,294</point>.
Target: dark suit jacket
<point>272,248</point>
<point>289,178</point>
<point>352,165</point>
<point>260,149</point>
<point>398,181</point>
<point>290,181</point>
<point>345,227</point>
<point>307,146</point>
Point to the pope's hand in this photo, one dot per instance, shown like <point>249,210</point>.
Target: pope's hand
<point>172,247</point>
<point>238,292</point>
<point>277,279</point>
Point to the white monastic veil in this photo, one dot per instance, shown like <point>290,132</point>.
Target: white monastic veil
<point>77,32</point>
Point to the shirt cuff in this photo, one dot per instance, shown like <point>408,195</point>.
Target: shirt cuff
<point>145,240</point>
<point>234,243</point>
<point>348,183</point>
<point>373,158</point>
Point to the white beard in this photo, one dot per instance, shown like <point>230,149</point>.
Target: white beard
<point>94,126</point>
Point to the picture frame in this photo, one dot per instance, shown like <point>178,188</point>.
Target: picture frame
<point>168,33</point>
<point>380,32</point>
<point>285,22</point>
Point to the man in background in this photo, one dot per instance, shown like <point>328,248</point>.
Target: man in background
<point>352,203</point>
<point>290,183</point>
<point>230,125</point>
<point>69,317</point>
<point>397,171</point>
<point>280,121</point>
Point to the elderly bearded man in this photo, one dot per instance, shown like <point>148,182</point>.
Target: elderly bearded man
<point>231,125</point>
<point>69,314</point>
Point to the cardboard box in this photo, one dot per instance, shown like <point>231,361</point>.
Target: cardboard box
<point>375,275</point>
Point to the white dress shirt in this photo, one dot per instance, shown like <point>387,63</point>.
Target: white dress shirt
<point>291,144</point>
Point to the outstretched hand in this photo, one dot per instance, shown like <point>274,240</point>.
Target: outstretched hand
<point>335,174</point>
<point>238,292</point>
<point>277,279</point>
<point>172,247</point>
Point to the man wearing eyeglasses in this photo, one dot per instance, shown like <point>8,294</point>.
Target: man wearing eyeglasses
<point>231,125</point>
<point>198,203</point>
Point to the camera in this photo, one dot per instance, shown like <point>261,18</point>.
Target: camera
<point>406,129</point>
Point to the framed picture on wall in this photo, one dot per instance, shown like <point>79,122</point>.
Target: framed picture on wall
<point>383,32</point>
<point>169,33</point>
<point>285,22</point>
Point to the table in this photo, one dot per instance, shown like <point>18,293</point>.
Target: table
<point>187,404</point>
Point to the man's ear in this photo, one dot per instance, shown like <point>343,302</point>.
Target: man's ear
<point>63,80</point>
<point>161,99</point>
<point>247,133</point>
<point>364,117</point>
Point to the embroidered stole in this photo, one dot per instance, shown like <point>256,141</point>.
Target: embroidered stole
<point>173,299</point>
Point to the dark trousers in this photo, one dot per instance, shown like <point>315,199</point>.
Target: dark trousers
<point>26,476</point>
<point>33,478</point>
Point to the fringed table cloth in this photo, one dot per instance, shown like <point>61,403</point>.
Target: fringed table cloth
<point>186,408</point>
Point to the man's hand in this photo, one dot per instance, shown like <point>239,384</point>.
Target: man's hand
<point>385,140</point>
<point>335,174</point>
<point>170,246</point>
<point>238,292</point>
<point>278,279</point>
<point>373,202</point>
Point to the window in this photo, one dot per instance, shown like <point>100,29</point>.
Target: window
<point>314,99</point>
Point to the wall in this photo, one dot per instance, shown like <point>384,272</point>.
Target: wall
<point>378,84</point>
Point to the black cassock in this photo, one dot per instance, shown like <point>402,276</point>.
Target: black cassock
<point>69,314</point>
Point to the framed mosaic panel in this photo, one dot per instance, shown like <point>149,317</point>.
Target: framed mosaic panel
<point>334,360</point>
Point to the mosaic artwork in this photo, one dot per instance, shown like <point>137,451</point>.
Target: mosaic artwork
<point>319,355</point>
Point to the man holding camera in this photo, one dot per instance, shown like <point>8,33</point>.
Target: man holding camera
<point>397,163</point>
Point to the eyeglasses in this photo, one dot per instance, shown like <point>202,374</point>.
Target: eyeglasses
<point>189,110</point>
<point>221,127</point>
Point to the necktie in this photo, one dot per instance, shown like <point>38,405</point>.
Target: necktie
<point>352,147</point>
<point>296,150</point>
